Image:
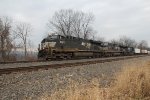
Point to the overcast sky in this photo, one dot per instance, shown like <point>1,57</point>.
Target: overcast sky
<point>113,18</point>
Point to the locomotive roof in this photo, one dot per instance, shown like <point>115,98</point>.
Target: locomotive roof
<point>96,42</point>
<point>50,37</point>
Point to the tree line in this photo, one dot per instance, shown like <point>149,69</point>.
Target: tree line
<point>66,22</point>
<point>13,37</point>
<point>126,41</point>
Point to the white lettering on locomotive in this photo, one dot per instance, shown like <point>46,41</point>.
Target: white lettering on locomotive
<point>51,44</point>
<point>87,45</point>
<point>48,44</point>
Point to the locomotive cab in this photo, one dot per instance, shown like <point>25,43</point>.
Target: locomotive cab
<point>46,45</point>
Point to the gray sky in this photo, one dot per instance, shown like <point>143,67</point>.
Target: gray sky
<point>113,18</point>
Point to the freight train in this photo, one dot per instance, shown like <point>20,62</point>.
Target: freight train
<point>68,47</point>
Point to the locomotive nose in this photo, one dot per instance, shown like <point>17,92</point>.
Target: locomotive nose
<point>42,53</point>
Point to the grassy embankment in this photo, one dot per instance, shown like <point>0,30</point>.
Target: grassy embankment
<point>132,83</point>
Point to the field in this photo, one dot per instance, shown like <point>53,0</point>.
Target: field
<point>117,80</point>
<point>132,83</point>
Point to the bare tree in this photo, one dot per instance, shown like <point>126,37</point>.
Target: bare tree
<point>72,23</point>
<point>22,31</point>
<point>82,25</point>
<point>87,29</point>
<point>125,41</point>
<point>61,22</point>
<point>77,24</point>
<point>143,44</point>
<point>5,40</point>
<point>113,41</point>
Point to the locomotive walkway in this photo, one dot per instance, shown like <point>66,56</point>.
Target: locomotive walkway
<point>61,64</point>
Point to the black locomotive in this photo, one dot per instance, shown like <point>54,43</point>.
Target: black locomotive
<point>67,47</point>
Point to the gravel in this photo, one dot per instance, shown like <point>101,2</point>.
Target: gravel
<point>34,85</point>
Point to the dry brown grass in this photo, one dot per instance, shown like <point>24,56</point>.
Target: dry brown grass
<point>133,83</point>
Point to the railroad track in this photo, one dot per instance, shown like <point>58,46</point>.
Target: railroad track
<point>12,62</point>
<point>56,66</point>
